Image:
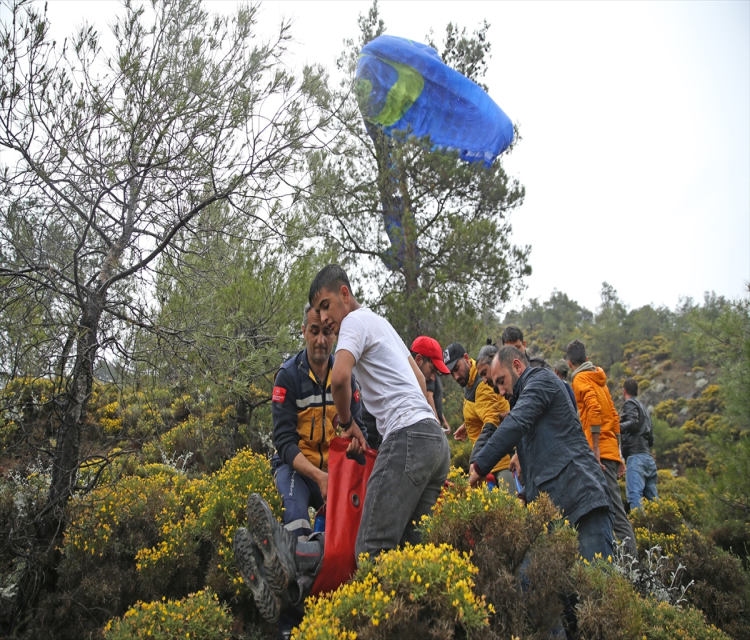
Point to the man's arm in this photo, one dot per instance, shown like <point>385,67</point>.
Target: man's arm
<point>341,390</point>
<point>522,418</point>
<point>418,375</point>
<point>594,415</point>
<point>431,401</point>
<point>308,469</point>
<point>630,421</point>
<point>284,415</point>
<point>487,406</point>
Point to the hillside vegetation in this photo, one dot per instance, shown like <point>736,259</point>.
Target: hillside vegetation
<point>170,467</point>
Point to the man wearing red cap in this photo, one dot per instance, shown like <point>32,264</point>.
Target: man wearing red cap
<point>428,355</point>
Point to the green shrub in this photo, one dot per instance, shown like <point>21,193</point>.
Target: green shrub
<point>665,622</point>
<point>691,499</point>
<point>500,533</point>
<point>415,592</point>
<point>460,453</point>
<point>199,616</point>
<point>720,587</point>
<point>608,607</point>
<point>156,534</point>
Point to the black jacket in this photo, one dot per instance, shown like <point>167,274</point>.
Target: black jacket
<point>636,431</point>
<point>553,452</point>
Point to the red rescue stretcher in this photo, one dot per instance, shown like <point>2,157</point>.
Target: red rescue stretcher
<point>347,485</point>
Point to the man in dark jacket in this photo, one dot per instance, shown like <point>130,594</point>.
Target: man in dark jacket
<point>637,438</point>
<point>553,453</point>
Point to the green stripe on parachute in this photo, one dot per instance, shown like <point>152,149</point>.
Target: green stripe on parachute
<point>401,95</point>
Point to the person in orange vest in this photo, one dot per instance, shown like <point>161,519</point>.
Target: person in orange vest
<point>601,424</point>
<point>483,407</point>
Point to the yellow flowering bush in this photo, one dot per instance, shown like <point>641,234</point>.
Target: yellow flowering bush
<point>213,508</point>
<point>199,616</point>
<point>665,622</point>
<point>158,533</point>
<point>402,593</point>
<point>502,534</point>
<point>690,497</point>
<point>109,419</point>
<point>123,517</point>
<point>659,522</point>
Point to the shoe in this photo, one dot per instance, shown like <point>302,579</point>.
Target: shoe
<point>275,543</point>
<point>249,561</point>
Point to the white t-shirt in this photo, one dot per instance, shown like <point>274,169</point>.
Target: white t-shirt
<point>389,388</point>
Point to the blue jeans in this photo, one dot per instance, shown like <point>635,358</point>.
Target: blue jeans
<point>595,533</point>
<point>640,479</point>
<point>298,494</point>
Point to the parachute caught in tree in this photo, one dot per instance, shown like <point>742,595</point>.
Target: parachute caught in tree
<point>404,87</point>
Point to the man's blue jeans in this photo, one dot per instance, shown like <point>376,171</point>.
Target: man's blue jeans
<point>595,532</point>
<point>640,479</point>
<point>298,494</point>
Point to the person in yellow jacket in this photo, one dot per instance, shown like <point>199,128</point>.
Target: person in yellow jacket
<point>482,406</point>
<point>601,425</point>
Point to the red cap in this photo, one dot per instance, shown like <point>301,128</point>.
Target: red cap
<point>430,348</point>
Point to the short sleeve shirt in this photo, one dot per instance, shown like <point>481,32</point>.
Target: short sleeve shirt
<point>382,368</point>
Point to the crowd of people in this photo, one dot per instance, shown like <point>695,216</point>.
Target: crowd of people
<point>531,429</point>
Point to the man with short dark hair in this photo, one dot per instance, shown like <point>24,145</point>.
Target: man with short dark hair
<point>428,355</point>
<point>546,432</point>
<point>601,424</point>
<point>637,440</point>
<point>414,457</point>
<point>513,336</point>
<point>483,408</point>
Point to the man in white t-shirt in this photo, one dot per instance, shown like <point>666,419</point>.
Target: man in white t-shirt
<point>414,459</point>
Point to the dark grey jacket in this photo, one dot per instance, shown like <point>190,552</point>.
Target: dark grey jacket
<point>635,428</point>
<point>554,454</point>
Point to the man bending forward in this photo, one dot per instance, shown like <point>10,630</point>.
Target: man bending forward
<point>414,458</point>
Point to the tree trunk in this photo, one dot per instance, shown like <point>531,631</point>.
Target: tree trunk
<point>50,523</point>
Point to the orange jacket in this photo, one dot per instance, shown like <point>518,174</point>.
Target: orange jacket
<point>483,405</point>
<point>597,410</point>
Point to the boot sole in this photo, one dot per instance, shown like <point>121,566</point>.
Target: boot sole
<point>262,532</point>
<point>252,576</point>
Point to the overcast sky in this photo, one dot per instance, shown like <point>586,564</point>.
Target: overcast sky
<point>635,119</point>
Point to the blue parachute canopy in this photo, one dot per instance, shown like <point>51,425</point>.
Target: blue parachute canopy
<point>404,86</point>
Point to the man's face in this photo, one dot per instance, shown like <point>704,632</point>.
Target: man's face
<point>331,308</point>
<point>504,378</point>
<point>318,337</point>
<point>429,370</point>
<point>518,344</point>
<point>460,371</point>
<point>483,370</point>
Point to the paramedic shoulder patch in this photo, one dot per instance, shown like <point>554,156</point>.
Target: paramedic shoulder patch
<point>279,394</point>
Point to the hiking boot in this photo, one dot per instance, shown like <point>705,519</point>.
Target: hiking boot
<point>249,561</point>
<point>275,543</point>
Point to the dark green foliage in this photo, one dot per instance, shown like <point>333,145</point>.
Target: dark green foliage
<point>721,588</point>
